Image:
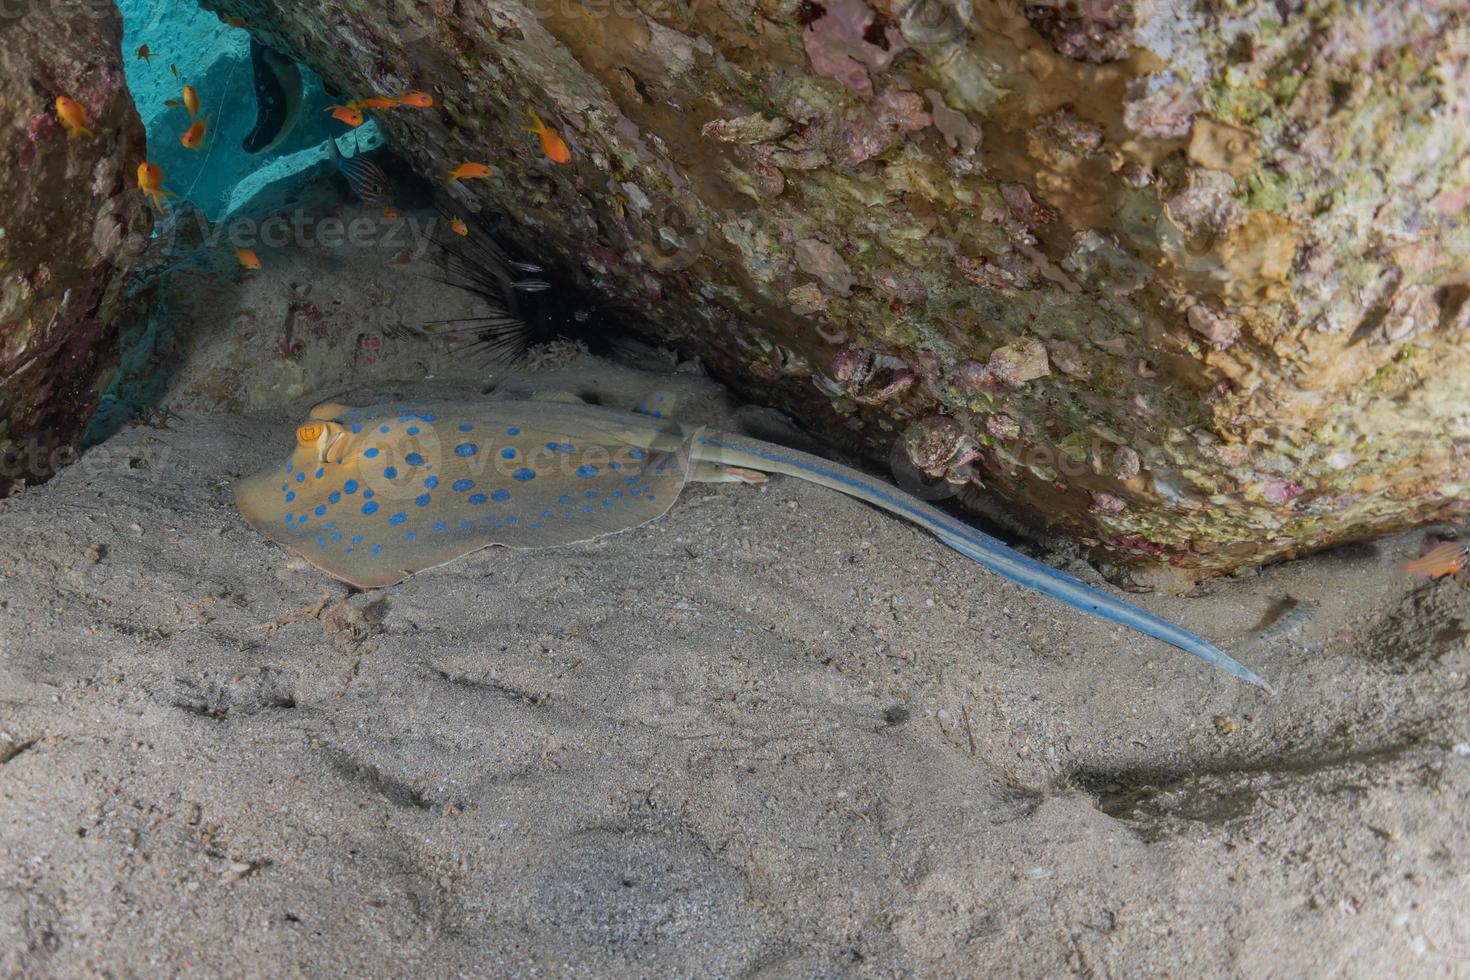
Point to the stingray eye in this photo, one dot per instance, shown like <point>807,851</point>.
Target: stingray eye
<point>310,432</point>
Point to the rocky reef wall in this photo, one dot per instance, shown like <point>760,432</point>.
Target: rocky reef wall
<point>1184,280</point>
<point>70,226</point>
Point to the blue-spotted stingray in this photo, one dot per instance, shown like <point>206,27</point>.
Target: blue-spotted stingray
<point>373,495</point>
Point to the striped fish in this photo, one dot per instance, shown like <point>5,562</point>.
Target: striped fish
<point>367,179</point>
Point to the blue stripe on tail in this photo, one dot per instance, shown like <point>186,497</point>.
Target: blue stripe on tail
<point>1000,558</point>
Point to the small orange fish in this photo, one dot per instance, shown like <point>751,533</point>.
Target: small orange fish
<point>73,117</point>
<point>1445,558</point>
<point>349,114</point>
<point>150,182</point>
<point>552,145</point>
<point>419,100</point>
<point>470,170</point>
<point>145,54</point>
<point>191,100</point>
<point>247,258</point>
<point>194,138</point>
<point>375,104</point>
<point>234,21</point>
<point>390,214</point>
<point>459,227</point>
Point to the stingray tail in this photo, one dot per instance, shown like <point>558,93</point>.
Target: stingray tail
<point>721,447</point>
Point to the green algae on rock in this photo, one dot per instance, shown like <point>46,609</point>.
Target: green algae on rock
<point>1179,249</point>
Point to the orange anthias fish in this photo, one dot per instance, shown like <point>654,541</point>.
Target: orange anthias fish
<point>470,170</point>
<point>247,258</point>
<point>190,101</point>
<point>552,145</point>
<point>419,100</point>
<point>145,54</point>
<point>150,182</point>
<point>459,227</point>
<point>234,21</point>
<point>375,104</point>
<point>194,138</point>
<point>73,117</point>
<point>1445,558</point>
<point>349,114</point>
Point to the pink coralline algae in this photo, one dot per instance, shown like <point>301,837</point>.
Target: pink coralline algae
<point>1280,491</point>
<point>847,40</point>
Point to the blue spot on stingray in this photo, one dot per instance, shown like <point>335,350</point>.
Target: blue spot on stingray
<point>357,539</point>
<point>464,525</point>
<point>319,473</point>
<point>431,482</point>
<point>650,496</point>
<point>390,473</point>
<point>303,519</point>
<point>321,542</point>
<point>608,502</point>
<point>586,470</point>
<point>614,465</point>
<point>465,427</point>
<point>563,500</point>
<point>636,454</point>
<point>410,535</point>
<point>290,496</point>
<point>300,477</point>
<point>320,511</point>
<point>350,487</point>
<point>406,418</point>
<point>524,475</point>
<point>413,430</point>
<point>509,521</point>
<point>371,507</point>
<point>513,431</point>
<point>382,428</point>
<point>398,518</point>
<point>617,493</point>
<point>559,447</point>
<point>422,500</point>
<point>476,498</point>
<point>356,427</point>
<point>536,524</point>
<point>632,480</point>
<point>591,494</point>
<point>426,417</point>
<point>501,495</point>
<point>336,535</point>
<point>507,453</point>
<point>290,518</point>
<point>370,452</point>
<point>335,497</point>
<point>587,508</point>
<point>546,513</point>
<point>414,459</point>
<point>368,495</point>
<point>288,466</point>
<point>441,527</point>
<point>285,486</point>
<point>466,449</point>
<point>347,550</point>
<point>460,486</point>
<point>377,548</point>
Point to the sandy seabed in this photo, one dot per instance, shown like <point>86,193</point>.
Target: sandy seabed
<point>775,733</point>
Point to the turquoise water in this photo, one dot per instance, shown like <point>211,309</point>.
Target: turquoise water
<point>220,177</point>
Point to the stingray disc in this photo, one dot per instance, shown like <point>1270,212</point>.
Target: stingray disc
<point>372,495</point>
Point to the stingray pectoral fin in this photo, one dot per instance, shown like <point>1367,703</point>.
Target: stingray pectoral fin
<point>395,489</point>
<point>278,98</point>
